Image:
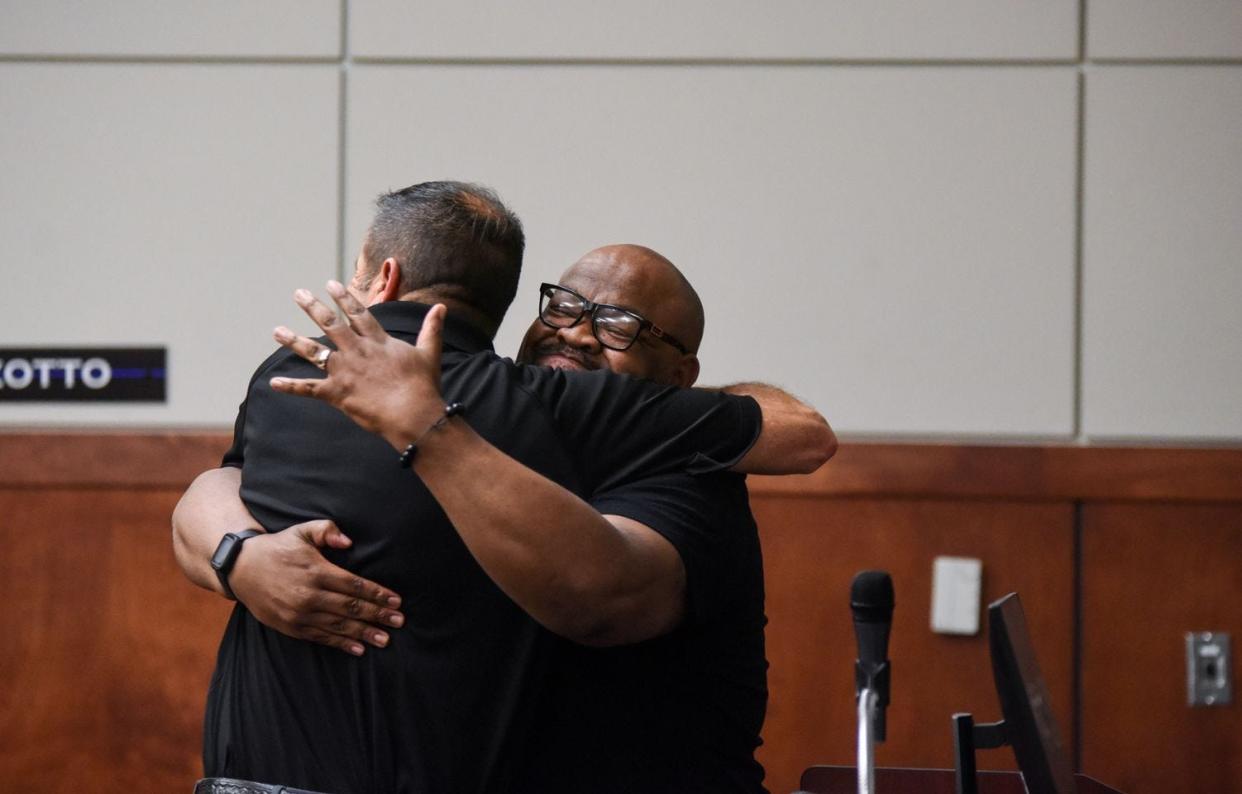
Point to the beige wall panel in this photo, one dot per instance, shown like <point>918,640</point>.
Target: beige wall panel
<point>234,28</point>
<point>163,205</point>
<point>881,29</point>
<point>1162,345</point>
<point>1164,29</point>
<point>894,244</point>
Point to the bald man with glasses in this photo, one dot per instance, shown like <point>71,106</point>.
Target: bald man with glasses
<point>679,706</point>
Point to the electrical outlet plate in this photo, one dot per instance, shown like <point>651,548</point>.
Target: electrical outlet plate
<point>1209,669</point>
<point>957,584</point>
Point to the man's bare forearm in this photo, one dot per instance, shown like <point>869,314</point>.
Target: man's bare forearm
<point>598,580</point>
<point>796,439</point>
<point>592,578</point>
<point>208,509</point>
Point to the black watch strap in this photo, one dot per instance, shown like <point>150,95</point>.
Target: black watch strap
<point>226,556</point>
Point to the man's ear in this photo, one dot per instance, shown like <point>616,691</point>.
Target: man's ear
<point>388,281</point>
<point>687,371</point>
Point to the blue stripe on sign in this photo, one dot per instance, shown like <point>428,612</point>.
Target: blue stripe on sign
<point>123,373</point>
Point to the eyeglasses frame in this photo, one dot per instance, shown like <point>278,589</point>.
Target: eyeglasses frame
<point>591,307</point>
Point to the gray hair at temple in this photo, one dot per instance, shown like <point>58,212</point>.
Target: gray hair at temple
<point>454,241</point>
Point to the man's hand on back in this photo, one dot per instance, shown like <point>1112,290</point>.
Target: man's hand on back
<point>288,585</point>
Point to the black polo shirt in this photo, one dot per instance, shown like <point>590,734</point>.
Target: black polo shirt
<point>446,706</point>
<point>682,712</point>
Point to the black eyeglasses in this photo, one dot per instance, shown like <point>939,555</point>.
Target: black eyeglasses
<point>614,327</point>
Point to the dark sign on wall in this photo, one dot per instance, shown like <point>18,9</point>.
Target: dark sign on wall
<point>83,374</point>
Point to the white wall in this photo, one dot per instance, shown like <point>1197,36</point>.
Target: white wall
<point>960,218</point>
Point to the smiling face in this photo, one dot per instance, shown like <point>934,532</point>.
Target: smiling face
<point>641,281</point>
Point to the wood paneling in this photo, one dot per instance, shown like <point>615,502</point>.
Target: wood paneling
<point>1151,573</point>
<point>812,549</point>
<point>107,650</point>
<point>859,469</point>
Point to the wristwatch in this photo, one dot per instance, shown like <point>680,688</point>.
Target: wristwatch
<point>226,555</point>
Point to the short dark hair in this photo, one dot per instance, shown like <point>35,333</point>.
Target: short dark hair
<point>455,240</point>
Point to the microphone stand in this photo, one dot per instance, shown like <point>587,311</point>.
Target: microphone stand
<point>871,601</point>
<point>867,701</point>
<point>871,683</point>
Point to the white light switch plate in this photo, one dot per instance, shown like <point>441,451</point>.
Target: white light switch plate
<point>956,586</point>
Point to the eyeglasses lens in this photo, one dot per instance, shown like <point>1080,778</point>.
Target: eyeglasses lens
<point>615,328</point>
<point>560,308</point>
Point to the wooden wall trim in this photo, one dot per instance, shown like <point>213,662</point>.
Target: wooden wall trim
<point>164,459</point>
<point>1019,472</point>
<point>1053,472</point>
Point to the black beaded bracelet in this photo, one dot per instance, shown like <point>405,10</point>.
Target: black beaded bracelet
<point>407,455</point>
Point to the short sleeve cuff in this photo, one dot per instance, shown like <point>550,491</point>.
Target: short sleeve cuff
<point>749,414</point>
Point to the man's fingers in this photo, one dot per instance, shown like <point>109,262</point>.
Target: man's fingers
<point>430,336</point>
<point>303,387</point>
<point>346,644</point>
<point>343,592</point>
<point>345,628</point>
<point>361,320</point>
<point>305,347</point>
<point>340,333</point>
<point>356,608</point>
<point>341,582</point>
<point>322,532</point>
<point>336,539</point>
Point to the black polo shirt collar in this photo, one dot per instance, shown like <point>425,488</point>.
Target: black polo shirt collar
<point>407,317</point>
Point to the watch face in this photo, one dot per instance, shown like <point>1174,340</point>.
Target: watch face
<point>224,552</point>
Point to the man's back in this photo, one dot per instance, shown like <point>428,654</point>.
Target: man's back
<point>434,710</point>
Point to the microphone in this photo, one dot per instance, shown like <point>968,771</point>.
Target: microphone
<point>871,601</point>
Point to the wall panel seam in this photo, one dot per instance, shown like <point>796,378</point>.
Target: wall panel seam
<point>727,62</point>
<point>342,129</point>
<point>157,60</point>
<point>1080,180</point>
<point>1172,62</point>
